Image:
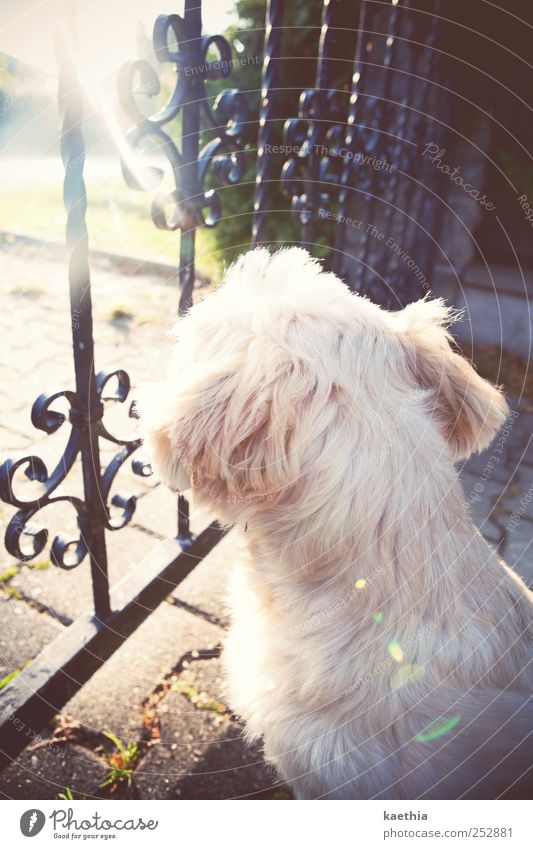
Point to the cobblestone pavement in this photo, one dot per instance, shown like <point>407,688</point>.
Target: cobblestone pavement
<point>163,690</point>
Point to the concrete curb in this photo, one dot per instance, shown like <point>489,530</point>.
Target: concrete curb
<point>132,265</point>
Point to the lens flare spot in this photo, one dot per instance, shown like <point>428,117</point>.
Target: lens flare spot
<point>407,674</point>
<point>395,650</point>
<point>360,584</point>
<point>377,616</point>
<point>438,728</point>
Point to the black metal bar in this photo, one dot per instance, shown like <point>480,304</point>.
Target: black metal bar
<point>90,410</point>
<point>184,536</point>
<point>428,209</point>
<point>39,692</point>
<point>408,231</point>
<point>334,15</point>
<point>309,176</point>
<point>399,148</point>
<point>332,11</point>
<point>350,144</point>
<point>189,176</point>
<point>270,82</point>
<point>189,151</point>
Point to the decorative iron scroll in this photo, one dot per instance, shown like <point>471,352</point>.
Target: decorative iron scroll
<point>67,553</point>
<point>97,510</point>
<point>189,205</point>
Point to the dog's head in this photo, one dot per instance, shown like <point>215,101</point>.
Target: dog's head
<point>282,378</point>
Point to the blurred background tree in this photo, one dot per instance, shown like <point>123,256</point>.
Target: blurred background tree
<point>120,218</point>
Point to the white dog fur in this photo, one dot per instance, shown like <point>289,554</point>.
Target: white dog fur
<point>367,610</point>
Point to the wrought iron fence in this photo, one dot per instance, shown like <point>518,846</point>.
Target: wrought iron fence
<point>324,179</point>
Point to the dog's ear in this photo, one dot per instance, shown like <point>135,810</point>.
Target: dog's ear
<point>157,416</point>
<point>469,409</point>
<point>232,436</point>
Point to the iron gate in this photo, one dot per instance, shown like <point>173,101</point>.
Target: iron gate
<point>325,180</point>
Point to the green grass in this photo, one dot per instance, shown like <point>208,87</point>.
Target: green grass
<point>41,565</point>
<point>11,592</point>
<point>9,677</point>
<point>68,795</point>
<point>23,288</point>
<point>8,574</point>
<point>117,217</point>
<point>120,312</point>
<point>122,762</point>
<point>283,793</point>
<point>118,221</point>
<point>201,700</point>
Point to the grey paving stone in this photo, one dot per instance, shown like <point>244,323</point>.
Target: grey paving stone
<point>518,549</point>
<point>10,442</point>
<point>494,534</point>
<point>157,511</point>
<point>44,771</point>
<point>216,764</point>
<point>68,593</point>
<point>112,698</point>
<point>518,497</point>
<point>476,467</point>
<point>24,632</point>
<point>520,459</point>
<point>202,754</point>
<point>524,423</point>
<point>205,589</point>
<point>126,549</point>
<point>480,496</point>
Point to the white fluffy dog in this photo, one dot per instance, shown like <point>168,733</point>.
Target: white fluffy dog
<point>378,646</point>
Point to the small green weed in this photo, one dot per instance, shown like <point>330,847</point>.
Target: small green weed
<point>9,677</point>
<point>8,574</point>
<point>120,312</point>
<point>201,700</point>
<point>68,796</point>
<point>122,762</point>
